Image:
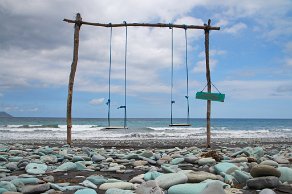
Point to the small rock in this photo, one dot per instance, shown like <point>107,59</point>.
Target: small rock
<point>34,168</point>
<point>167,180</point>
<point>85,191</point>
<point>206,161</point>
<point>149,187</point>
<point>28,189</point>
<point>199,176</point>
<point>267,191</point>
<point>263,182</point>
<point>118,185</point>
<point>264,170</point>
<point>97,158</point>
<point>214,188</point>
<point>118,191</point>
<point>286,174</point>
<point>270,163</point>
<point>89,184</point>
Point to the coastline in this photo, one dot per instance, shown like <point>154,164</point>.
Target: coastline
<point>154,142</point>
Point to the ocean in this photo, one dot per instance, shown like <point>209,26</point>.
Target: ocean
<point>140,128</point>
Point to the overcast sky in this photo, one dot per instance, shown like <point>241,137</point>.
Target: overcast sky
<point>251,57</point>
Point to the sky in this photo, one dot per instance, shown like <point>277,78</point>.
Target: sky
<point>250,58</point>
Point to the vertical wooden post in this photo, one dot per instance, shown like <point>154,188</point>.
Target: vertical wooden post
<point>208,76</point>
<point>72,76</point>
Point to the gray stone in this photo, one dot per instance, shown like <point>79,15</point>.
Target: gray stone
<point>214,188</point>
<point>263,182</point>
<point>97,158</point>
<point>77,158</point>
<point>29,189</point>
<point>151,175</point>
<point>67,166</point>
<point>89,184</point>
<point>264,170</point>
<point>176,161</point>
<point>241,176</point>
<point>270,163</point>
<point>49,179</point>
<point>2,190</point>
<point>225,167</point>
<point>34,168</point>
<point>118,191</point>
<point>147,154</point>
<point>267,191</point>
<point>50,159</point>
<point>286,174</point>
<point>191,159</point>
<point>206,161</point>
<point>170,168</point>
<point>8,185</point>
<point>96,179</point>
<point>167,180</point>
<point>285,188</point>
<point>118,185</point>
<point>11,166</point>
<point>22,163</point>
<point>85,191</point>
<point>199,176</point>
<point>150,161</point>
<point>149,187</point>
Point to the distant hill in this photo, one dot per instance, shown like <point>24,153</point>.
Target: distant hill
<point>5,115</point>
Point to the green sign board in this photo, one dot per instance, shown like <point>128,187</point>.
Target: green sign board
<point>210,96</point>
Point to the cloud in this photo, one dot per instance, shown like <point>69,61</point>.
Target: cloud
<point>20,109</point>
<point>200,66</point>
<point>235,28</point>
<point>97,101</point>
<point>256,89</point>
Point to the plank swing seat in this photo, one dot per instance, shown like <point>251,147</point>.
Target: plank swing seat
<point>180,125</point>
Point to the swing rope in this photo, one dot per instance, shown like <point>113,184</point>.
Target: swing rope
<point>187,72</point>
<point>212,85</point>
<point>171,87</point>
<point>109,77</point>
<point>126,50</point>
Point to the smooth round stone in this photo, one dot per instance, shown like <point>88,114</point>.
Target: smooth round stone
<point>51,159</point>
<point>151,175</point>
<point>150,161</point>
<point>206,161</point>
<point>225,167</point>
<point>15,159</point>
<point>2,190</point>
<point>199,176</point>
<point>11,166</point>
<point>286,174</point>
<point>286,188</point>
<point>118,185</point>
<point>34,168</point>
<point>77,158</point>
<point>140,163</point>
<point>40,188</point>
<point>118,191</point>
<point>22,163</point>
<point>264,170</point>
<point>67,166</point>
<point>187,188</point>
<point>8,186</point>
<point>177,161</point>
<point>147,154</point>
<point>26,181</point>
<point>149,187</point>
<point>49,179</point>
<point>167,180</point>
<point>3,159</point>
<point>281,160</point>
<point>97,158</point>
<point>267,191</point>
<point>241,176</point>
<point>86,191</point>
<point>263,182</point>
<point>96,179</point>
<point>270,163</point>
<point>89,184</point>
<point>239,160</point>
<point>80,165</point>
<point>191,159</point>
<point>170,168</point>
<point>213,187</point>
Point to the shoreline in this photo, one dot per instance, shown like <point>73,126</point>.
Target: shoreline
<point>154,142</point>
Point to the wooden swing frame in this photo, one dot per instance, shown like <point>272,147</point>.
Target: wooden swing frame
<point>78,22</point>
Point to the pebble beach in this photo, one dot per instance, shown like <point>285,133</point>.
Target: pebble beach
<point>177,166</point>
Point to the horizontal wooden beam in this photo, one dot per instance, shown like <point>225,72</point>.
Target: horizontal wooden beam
<point>161,25</point>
